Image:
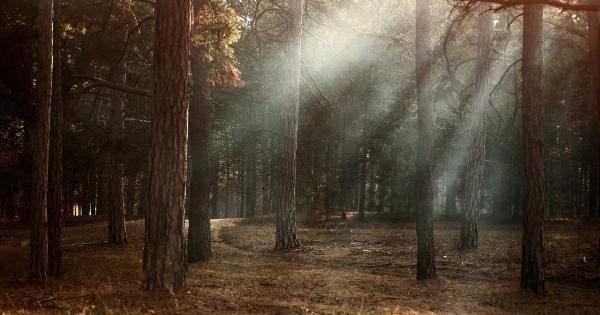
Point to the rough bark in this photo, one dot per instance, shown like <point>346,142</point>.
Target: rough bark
<point>164,251</point>
<point>532,263</point>
<point>424,178</point>
<point>285,237</point>
<point>41,147</point>
<point>469,230</point>
<point>55,178</point>
<point>199,241</point>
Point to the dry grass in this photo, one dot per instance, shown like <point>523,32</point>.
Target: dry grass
<point>341,268</point>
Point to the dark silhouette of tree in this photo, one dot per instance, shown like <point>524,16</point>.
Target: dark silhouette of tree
<point>424,176</point>
<point>532,260</point>
<point>41,143</point>
<point>55,176</point>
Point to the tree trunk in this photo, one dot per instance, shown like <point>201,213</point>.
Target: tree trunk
<point>199,241</point>
<point>285,237</point>
<point>594,43</point>
<point>214,186</point>
<point>372,204</point>
<point>41,147</point>
<point>469,230</point>
<point>117,233</point>
<point>450,200</point>
<point>130,195</point>
<point>424,177</point>
<point>55,178</point>
<point>362,184</point>
<point>532,263</point>
<point>251,177</point>
<point>164,251</point>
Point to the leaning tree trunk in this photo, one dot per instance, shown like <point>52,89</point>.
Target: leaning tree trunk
<point>199,241</point>
<point>55,178</point>
<point>164,251</point>
<point>469,230</point>
<point>41,147</point>
<point>532,263</point>
<point>285,237</point>
<point>424,177</point>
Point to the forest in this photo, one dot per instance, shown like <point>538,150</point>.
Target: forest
<point>299,156</point>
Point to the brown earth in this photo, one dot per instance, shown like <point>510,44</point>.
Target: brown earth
<point>341,268</point>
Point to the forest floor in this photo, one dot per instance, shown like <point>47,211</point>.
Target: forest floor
<point>340,268</point>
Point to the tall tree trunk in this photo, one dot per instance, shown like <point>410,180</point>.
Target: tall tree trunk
<point>199,241</point>
<point>362,184</point>
<point>214,186</point>
<point>469,230</point>
<point>594,43</point>
<point>372,204</point>
<point>251,177</point>
<point>424,177</point>
<point>532,263</point>
<point>164,251</point>
<point>41,146</point>
<point>241,187</point>
<point>55,178</point>
<point>130,195</point>
<point>450,200</point>
<point>285,237</point>
<point>117,233</point>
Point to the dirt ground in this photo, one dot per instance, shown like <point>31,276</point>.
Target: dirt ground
<point>342,268</point>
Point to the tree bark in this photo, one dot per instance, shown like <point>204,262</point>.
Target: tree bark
<point>532,263</point>
<point>41,147</point>
<point>117,232</point>
<point>285,237</point>
<point>164,251</point>
<point>199,238</point>
<point>214,186</point>
<point>55,178</point>
<point>424,178</point>
<point>251,177</point>
<point>469,231</point>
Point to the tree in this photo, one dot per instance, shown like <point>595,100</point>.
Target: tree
<point>424,177</point>
<point>55,177</point>
<point>199,238</point>
<point>285,237</point>
<point>532,263</point>
<point>117,232</point>
<point>41,146</point>
<point>469,231</point>
<point>164,260</point>
<point>594,53</point>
